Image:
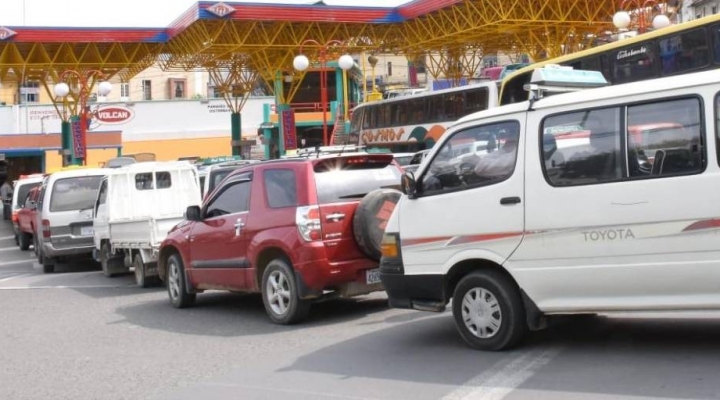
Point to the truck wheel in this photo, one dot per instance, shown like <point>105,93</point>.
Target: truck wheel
<point>141,274</point>
<point>35,246</point>
<point>280,294</point>
<point>24,241</point>
<point>176,285</point>
<point>488,311</point>
<point>110,265</point>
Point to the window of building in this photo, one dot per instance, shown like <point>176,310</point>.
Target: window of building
<point>176,88</point>
<point>389,68</point>
<point>30,92</point>
<point>147,89</point>
<point>125,90</point>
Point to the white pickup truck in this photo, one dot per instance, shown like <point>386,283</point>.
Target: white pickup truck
<point>135,208</point>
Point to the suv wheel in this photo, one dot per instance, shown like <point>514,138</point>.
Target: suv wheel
<point>280,294</point>
<point>488,311</point>
<point>176,285</point>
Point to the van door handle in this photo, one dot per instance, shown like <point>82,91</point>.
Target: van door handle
<point>505,201</point>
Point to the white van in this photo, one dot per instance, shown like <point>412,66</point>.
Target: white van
<point>135,208</point>
<point>64,215</point>
<point>596,201</point>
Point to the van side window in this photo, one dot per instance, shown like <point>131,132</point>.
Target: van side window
<point>582,147</point>
<point>665,138</point>
<point>662,138</point>
<point>477,156</point>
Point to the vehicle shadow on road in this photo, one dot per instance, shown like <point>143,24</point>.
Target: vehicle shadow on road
<point>658,357</point>
<point>236,315</point>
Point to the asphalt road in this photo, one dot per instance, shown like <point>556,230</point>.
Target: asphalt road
<point>75,334</point>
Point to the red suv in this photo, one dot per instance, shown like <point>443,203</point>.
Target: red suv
<point>295,230</point>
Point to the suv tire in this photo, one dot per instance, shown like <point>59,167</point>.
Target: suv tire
<point>280,294</point>
<point>370,219</point>
<point>176,284</point>
<point>488,311</point>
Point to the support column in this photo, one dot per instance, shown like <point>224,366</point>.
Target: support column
<point>66,142</point>
<point>235,133</point>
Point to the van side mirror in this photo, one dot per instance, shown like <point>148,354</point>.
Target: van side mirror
<point>408,185</point>
<point>193,213</point>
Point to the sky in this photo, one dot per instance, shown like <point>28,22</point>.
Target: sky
<point>123,13</point>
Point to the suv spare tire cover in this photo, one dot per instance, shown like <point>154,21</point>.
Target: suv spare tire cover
<point>370,220</point>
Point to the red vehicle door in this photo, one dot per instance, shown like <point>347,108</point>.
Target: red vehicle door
<point>218,244</point>
<point>26,215</point>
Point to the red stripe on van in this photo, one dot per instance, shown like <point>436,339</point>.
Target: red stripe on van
<point>705,224</point>
<point>482,238</point>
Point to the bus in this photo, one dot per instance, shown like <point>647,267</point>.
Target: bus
<point>408,124</point>
<point>688,47</point>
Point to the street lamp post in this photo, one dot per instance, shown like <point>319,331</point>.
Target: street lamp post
<point>85,82</point>
<point>639,14</point>
<point>301,63</point>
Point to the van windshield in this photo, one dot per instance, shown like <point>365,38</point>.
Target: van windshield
<point>78,193</point>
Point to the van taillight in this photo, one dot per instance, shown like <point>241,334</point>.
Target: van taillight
<point>46,229</point>
<point>308,223</point>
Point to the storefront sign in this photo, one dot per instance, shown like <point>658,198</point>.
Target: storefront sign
<point>114,115</point>
<point>288,127</point>
<point>221,9</point>
<point>78,141</point>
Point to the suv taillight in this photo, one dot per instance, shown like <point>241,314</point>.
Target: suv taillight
<point>46,229</point>
<point>308,223</point>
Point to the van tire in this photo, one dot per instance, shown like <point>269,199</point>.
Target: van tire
<point>110,265</point>
<point>501,316</point>
<point>48,268</point>
<point>290,308</point>
<point>176,284</point>
<point>370,219</point>
<point>24,241</point>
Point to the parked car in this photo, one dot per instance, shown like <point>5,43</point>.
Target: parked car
<point>214,174</point>
<point>26,219</point>
<point>64,215</point>
<point>294,230</point>
<point>135,208</point>
<point>20,191</point>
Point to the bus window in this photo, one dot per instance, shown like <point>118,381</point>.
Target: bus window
<point>453,103</point>
<point>356,119</point>
<point>715,32</point>
<point>636,63</point>
<point>595,63</point>
<point>436,109</point>
<point>416,111</point>
<point>684,52</point>
<point>476,100</point>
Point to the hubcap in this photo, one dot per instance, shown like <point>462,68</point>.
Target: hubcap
<point>278,292</point>
<point>481,313</point>
<point>174,280</point>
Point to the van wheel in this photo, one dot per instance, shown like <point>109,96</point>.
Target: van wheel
<point>24,241</point>
<point>141,274</point>
<point>280,294</point>
<point>488,311</point>
<point>176,284</point>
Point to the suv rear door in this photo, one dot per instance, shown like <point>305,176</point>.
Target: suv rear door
<point>341,183</point>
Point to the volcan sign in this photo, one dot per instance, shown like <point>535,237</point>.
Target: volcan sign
<point>114,115</point>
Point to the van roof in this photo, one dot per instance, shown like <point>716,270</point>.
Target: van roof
<point>78,172</point>
<point>603,93</point>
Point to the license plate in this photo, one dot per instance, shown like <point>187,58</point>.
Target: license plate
<point>86,231</point>
<point>372,276</point>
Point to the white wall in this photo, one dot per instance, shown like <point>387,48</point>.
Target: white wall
<point>152,120</point>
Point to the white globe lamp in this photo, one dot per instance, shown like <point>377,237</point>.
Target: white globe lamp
<point>621,19</point>
<point>661,21</point>
<point>301,63</point>
<point>104,88</point>
<point>62,89</point>
<point>346,62</point>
